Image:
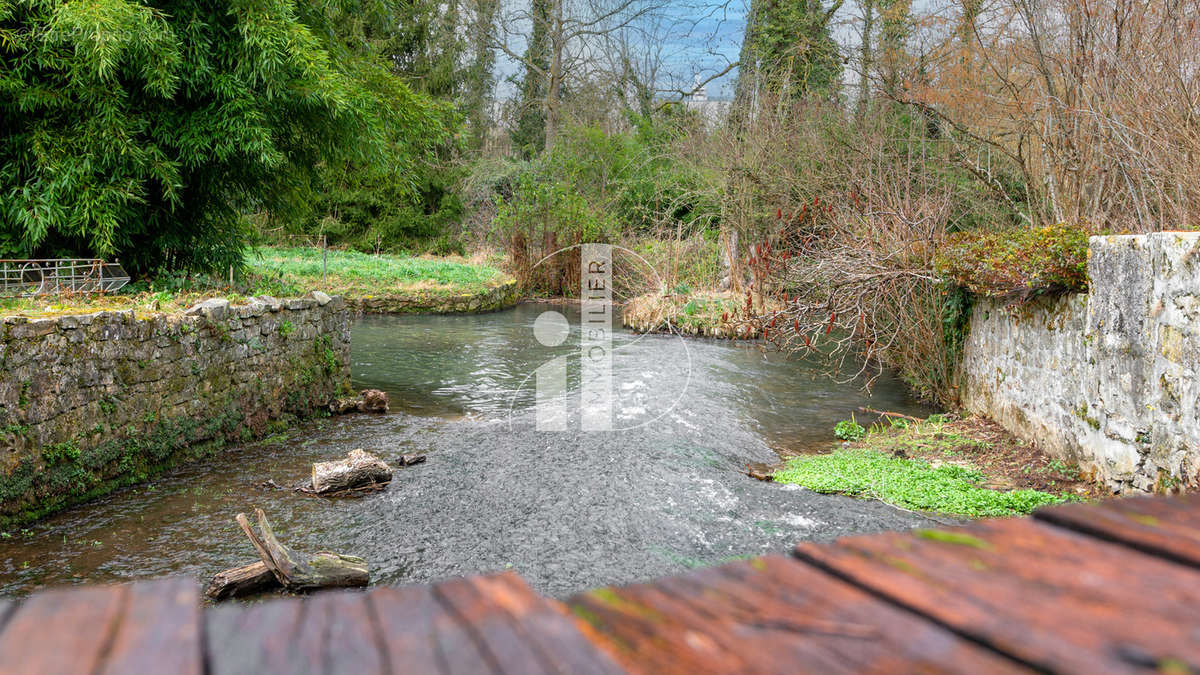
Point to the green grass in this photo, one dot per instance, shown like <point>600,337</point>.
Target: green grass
<point>351,272</point>
<point>908,483</point>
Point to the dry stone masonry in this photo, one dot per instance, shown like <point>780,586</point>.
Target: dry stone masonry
<point>1110,378</point>
<point>501,296</point>
<point>91,402</point>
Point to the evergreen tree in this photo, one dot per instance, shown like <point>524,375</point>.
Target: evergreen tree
<point>788,48</point>
<point>529,133</point>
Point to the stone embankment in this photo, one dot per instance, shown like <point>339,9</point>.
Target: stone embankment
<point>501,296</point>
<point>1109,378</point>
<point>94,401</point>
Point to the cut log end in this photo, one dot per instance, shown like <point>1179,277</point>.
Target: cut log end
<point>360,468</point>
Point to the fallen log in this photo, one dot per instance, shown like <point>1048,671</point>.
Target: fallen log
<point>368,400</point>
<point>245,580</point>
<point>359,469</point>
<point>297,571</point>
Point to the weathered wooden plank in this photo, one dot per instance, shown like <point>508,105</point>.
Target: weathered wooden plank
<point>1053,598</point>
<point>771,615</point>
<point>327,632</point>
<point>420,635</point>
<point>336,634</point>
<point>7,607</point>
<point>252,638</point>
<point>548,626</point>
<point>474,606</point>
<point>1166,527</point>
<point>63,630</point>
<point>815,617</point>
<point>161,630</point>
<point>644,639</point>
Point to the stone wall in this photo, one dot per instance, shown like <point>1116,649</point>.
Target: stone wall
<point>91,402</point>
<point>501,296</point>
<point>1110,378</point>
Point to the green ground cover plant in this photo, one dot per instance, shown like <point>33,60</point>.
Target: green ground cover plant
<point>909,483</point>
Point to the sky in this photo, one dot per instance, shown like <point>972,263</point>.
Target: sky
<point>703,37</point>
<point>706,36</point>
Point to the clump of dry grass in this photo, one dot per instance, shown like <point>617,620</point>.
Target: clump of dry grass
<point>717,314</point>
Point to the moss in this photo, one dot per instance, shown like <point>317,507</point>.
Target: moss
<point>609,597</point>
<point>67,475</point>
<point>56,453</point>
<point>1019,261</point>
<point>1082,413</point>
<point>957,538</point>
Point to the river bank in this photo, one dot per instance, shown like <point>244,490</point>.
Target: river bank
<point>569,510</point>
<point>961,467</point>
<point>105,391</point>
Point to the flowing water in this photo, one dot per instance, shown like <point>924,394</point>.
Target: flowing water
<point>661,492</point>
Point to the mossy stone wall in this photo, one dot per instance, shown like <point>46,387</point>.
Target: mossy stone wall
<point>91,402</point>
<point>494,298</point>
<point>1109,378</point>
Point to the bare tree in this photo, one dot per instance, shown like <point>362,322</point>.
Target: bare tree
<point>578,31</point>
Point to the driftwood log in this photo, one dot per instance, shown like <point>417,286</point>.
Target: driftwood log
<point>368,400</point>
<point>280,566</point>
<point>245,580</point>
<point>359,469</point>
<point>297,571</point>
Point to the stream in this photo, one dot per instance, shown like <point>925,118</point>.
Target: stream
<point>662,492</point>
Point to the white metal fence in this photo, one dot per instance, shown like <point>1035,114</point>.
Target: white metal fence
<point>51,276</point>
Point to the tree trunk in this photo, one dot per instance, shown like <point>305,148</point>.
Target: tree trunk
<point>554,90</point>
<point>296,571</point>
<point>864,61</point>
<point>359,469</point>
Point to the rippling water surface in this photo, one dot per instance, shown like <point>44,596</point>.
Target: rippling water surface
<point>568,510</point>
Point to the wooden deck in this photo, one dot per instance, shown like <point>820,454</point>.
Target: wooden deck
<point>1110,587</point>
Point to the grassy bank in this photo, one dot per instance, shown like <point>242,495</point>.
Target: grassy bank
<point>357,274</point>
<point>142,302</point>
<point>965,468</point>
<point>282,272</point>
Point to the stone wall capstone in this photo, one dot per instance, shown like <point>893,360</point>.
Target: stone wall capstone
<point>1109,378</point>
<point>90,402</point>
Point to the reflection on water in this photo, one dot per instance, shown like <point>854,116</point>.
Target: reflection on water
<point>568,510</point>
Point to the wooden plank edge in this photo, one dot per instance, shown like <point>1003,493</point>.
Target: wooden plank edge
<point>1057,519</point>
<point>802,556</point>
